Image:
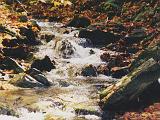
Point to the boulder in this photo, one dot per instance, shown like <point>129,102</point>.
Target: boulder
<point>64,48</point>
<point>89,70</point>
<point>99,37</point>
<point>26,81</point>
<point>29,34</point>
<point>38,75</point>
<point>79,22</point>
<point>11,64</point>
<point>21,52</point>
<point>44,64</point>
<point>131,86</point>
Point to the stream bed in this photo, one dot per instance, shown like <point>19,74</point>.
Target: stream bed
<point>71,95</point>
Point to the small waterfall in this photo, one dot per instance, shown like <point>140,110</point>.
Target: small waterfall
<point>71,92</point>
<point>68,51</point>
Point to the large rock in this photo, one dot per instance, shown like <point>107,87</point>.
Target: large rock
<point>21,52</point>
<point>44,64</point>
<point>131,86</point>
<point>98,37</point>
<point>10,64</point>
<point>26,81</point>
<point>79,22</point>
<point>38,75</point>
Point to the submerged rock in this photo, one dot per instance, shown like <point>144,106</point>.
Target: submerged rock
<point>44,64</point>
<point>99,37</point>
<point>89,70</point>
<point>6,110</point>
<point>79,22</point>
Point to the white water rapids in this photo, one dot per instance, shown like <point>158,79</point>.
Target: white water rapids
<point>78,96</point>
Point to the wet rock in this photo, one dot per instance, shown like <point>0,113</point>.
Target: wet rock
<point>29,34</point>
<point>103,69</point>
<point>23,18</point>
<point>47,37</point>
<point>44,64</point>
<point>21,52</point>
<point>33,71</point>
<point>26,81</point>
<point>79,22</point>
<point>119,72</point>
<point>89,70</point>
<point>91,52</point>
<point>42,79</point>
<point>38,75</point>
<point>10,42</point>
<point>64,48</point>
<point>98,37</point>
<point>11,64</point>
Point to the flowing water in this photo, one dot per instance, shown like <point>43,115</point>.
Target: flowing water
<point>72,96</point>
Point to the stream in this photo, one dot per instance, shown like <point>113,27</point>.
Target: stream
<point>71,96</point>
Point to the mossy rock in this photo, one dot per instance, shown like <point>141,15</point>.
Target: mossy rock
<point>131,86</point>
